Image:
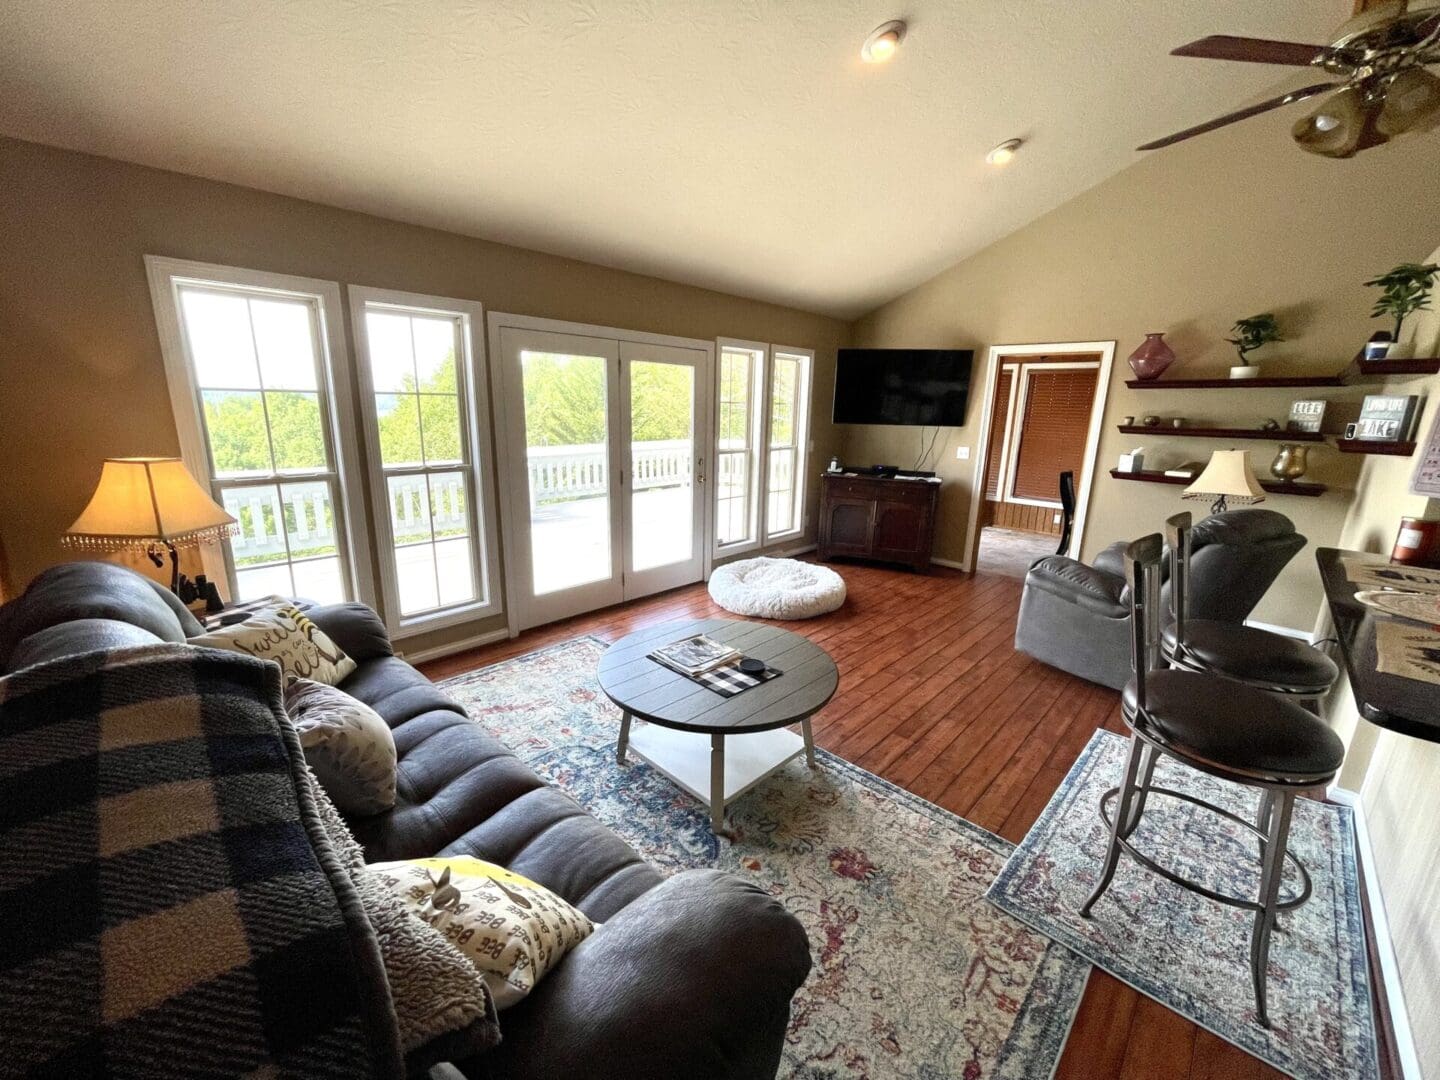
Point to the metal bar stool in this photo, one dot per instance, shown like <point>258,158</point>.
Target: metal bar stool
<point>1271,662</point>
<point>1226,729</point>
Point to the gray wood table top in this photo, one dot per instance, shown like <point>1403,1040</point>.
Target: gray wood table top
<point>653,692</point>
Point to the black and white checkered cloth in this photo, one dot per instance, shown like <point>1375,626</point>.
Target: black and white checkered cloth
<point>169,905</point>
<point>727,680</point>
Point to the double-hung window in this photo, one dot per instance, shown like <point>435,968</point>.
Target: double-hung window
<point>789,429</point>
<point>426,418</point>
<point>258,394</point>
<point>762,435</point>
<point>739,446</point>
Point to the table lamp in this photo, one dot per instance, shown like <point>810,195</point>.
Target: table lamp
<point>1227,478</point>
<point>148,503</point>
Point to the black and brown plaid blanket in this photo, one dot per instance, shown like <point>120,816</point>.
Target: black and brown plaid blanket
<point>169,902</point>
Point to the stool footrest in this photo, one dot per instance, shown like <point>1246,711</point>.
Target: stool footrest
<point>1195,886</point>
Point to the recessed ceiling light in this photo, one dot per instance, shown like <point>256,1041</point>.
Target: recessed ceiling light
<point>882,42</point>
<point>1002,154</point>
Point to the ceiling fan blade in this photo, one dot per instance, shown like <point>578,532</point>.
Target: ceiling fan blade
<point>1252,50</point>
<point>1242,114</point>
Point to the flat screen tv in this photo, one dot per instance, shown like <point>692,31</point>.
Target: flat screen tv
<point>923,387</point>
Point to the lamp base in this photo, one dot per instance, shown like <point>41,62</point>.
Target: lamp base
<point>1218,506</point>
<point>155,557</point>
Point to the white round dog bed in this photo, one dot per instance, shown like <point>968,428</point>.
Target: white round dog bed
<point>777,588</point>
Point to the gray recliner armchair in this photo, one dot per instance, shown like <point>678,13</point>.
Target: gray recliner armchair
<point>1077,617</point>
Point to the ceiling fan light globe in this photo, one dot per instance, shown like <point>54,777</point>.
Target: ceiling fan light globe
<point>1334,129</point>
<point>1412,103</point>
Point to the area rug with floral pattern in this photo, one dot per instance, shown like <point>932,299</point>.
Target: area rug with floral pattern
<point>1191,953</point>
<point>915,973</point>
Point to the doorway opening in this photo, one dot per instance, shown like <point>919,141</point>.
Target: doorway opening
<point>1043,405</point>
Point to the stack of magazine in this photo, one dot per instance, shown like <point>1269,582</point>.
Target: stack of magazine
<point>695,655</point>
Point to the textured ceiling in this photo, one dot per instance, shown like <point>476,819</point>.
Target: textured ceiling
<point>734,144</point>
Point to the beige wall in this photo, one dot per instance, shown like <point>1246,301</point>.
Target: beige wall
<point>1399,777</point>
<point>1185,241</point>
<point>81,376</point>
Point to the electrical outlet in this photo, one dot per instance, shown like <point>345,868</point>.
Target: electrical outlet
<point>1057,519</point>
<point>962,453</point>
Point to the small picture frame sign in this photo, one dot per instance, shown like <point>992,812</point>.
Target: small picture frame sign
<point>1427,469</point>
<point>1306,416</point>
<point>1386,417</point>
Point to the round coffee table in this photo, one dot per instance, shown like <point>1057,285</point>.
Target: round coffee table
<point>686,724</point>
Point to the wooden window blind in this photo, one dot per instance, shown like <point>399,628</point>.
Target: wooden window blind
<point>998,434</point>
<point>1053,431</point>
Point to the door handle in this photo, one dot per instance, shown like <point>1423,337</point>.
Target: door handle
<point>700,470</point>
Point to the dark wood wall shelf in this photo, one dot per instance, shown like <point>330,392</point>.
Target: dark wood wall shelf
<point>1370,446</point>
<point>1408,706</point>
<point>1237,384</point>
<point>1309,491</point>
<point>1223,433</point>
<point>1429,365</point>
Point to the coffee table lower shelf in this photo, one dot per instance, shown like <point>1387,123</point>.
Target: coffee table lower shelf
<point>701,763</point>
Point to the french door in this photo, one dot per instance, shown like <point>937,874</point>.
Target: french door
<point>605,441</point>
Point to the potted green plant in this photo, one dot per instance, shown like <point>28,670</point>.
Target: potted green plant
<point>1403,291</point>
<point>1250,334</point>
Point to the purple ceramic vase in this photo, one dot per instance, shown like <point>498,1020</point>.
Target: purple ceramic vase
<point>1153,356</point>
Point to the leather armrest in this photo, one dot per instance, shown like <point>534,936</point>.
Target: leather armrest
<point>355,628</point>
<point>1087,586</point>
<point>693,979</point>
<point>1111,560</point>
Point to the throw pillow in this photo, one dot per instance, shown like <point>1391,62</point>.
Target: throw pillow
<point>513,930</point>
<point>444,1009</point>
<point>347,744</point>
<point>284,634</point>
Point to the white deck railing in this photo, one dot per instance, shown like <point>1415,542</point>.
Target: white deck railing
<point>562,473</point>
<point>556,474</point>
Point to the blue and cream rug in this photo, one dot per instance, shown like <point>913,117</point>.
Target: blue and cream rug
<point>1190,953</point>
<point>915,975</point>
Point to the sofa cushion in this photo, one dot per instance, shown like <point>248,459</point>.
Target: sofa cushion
<point>355,628</point>
<point>461,792</point>
<point>80,636</point>
<point>396,691</point>
<point>93,590</point>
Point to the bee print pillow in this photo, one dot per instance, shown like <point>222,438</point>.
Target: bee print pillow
<point>510,928</point>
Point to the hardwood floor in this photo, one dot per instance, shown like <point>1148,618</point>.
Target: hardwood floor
<point>934,697</point>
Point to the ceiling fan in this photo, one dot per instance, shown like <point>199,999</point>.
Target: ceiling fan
<point>1384,89</point>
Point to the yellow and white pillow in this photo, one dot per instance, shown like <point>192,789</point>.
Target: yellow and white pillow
<point>510,928</point>
<point>284,633</point>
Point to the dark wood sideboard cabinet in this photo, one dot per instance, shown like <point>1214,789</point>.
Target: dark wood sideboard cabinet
<point>867,517</point>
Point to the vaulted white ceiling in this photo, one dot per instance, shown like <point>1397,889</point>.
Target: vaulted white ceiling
<point>735,144</point>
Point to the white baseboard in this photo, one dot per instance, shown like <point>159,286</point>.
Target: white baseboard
<point>450,649</point>
<point>1287,631</point>
<point>1389,965</point>
<point>951,563</point>
<point>786,553</point>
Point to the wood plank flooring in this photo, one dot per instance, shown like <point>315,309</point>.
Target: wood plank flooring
<point>934,697</point>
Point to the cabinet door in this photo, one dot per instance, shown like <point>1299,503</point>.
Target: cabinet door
<point>901,531</point>
<point>848,523</point>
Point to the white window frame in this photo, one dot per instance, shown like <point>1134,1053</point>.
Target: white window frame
<point>1015,420</point>
<point>757,440</point>
<point>800,430</point>
<point>474,404</point>
<point>166,276</point>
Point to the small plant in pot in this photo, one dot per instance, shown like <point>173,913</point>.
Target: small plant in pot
<point>1404,291</point>
<point>1250,334</point>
